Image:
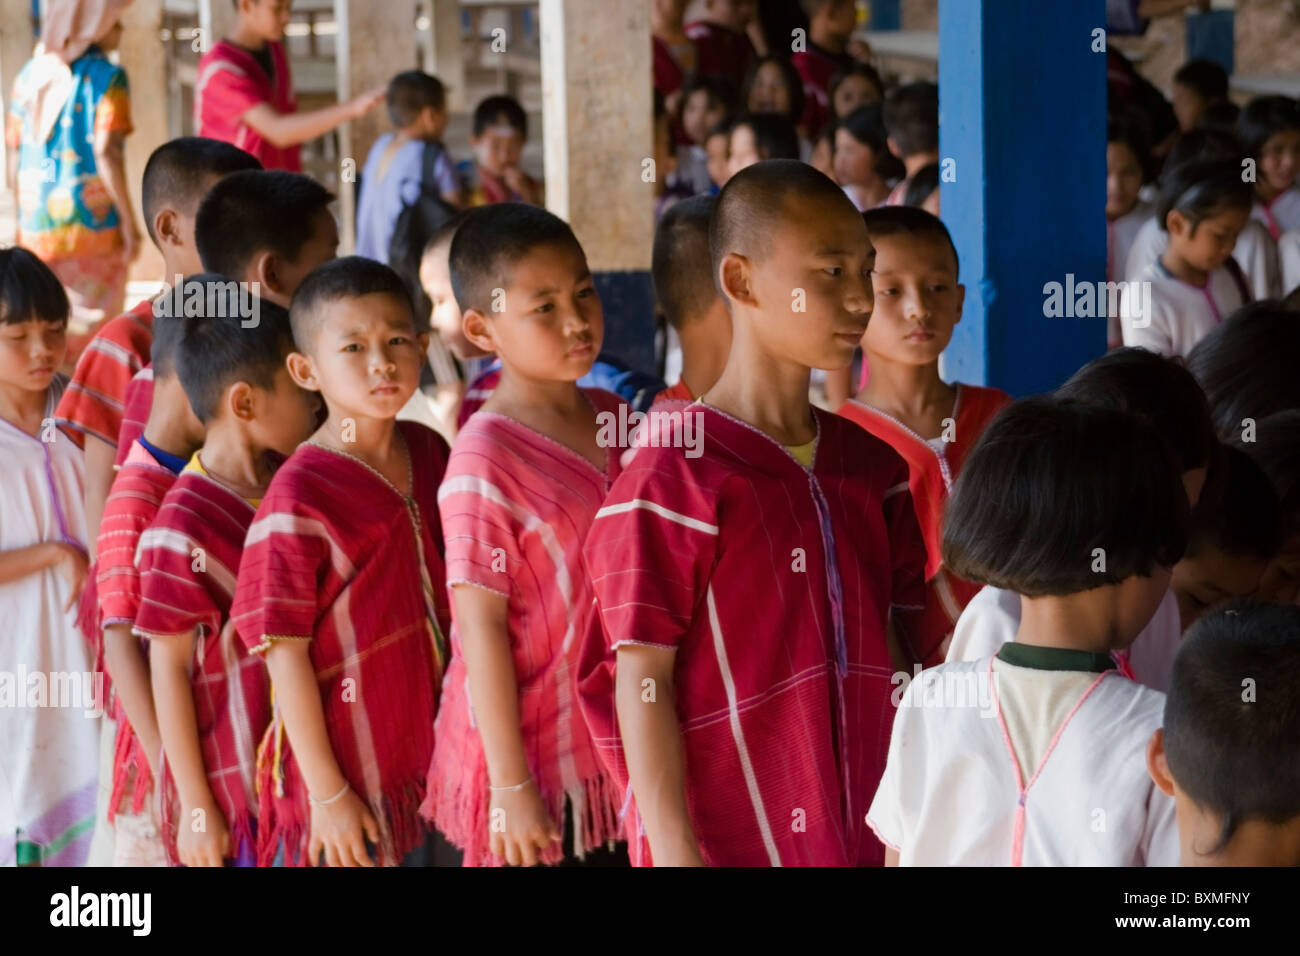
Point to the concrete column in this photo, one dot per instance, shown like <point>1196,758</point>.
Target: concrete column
<point>17,40</point>
<point>448,60</point>
<point>374,41</point>
<point>141,55</point>
<point>1025,208</point>
<point>597,119</point>
<point>216,20</point>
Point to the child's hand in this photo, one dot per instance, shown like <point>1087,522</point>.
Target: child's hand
<point>71,564</point>
<point>528,825</point>
<point>210,844</point>
<point>341,830</point>
<point>363,103</point>
<point>517,180</point>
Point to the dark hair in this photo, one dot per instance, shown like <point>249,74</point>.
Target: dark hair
<point>1237,512</point>
<point>1266,116</point>
<point>913,222</point>
<point>1247,366</point>
<point>412,92</point>
<point>1201,189</point>
<point>680,263</point>
<point>1070,479</point>
<point>1153,387</point>
<point>911,115</point>
<point>29,289</point>
<point>254,211</point>
<point>774,135</point>
<point>1232,715</point>
<point>491,240</point>
<point>721,128</point>
<point>720,90</point>
<point>216,350</point>
<point>1220,116</point>
<point>1276,450</point>
<point>167,333</point>
<point>445,233</point>
<point>496,109</point>
<point>1292,301</point>
<point>866,126</point>
<point>1133,136</point>
<point>855,68</point>
<point>348,278</point>
<point>178,172</point>
<point>753,203</point>
<point>1205,78</point>
<point>1203,144</point>
<point>793,84</point>
<point>923,182</point>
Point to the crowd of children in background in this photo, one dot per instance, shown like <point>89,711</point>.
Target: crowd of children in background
<point>928,625</point>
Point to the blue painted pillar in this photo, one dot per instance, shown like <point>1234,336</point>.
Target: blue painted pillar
<point>1022,118</point>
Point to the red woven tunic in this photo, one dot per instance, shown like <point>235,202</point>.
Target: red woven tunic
<point>187,560</point>
<point>516,506</point>
<point>774,584</point>
<point>133,503</point>
<point>337,554</point>
<point>930,477</point>
<point>230,83</point>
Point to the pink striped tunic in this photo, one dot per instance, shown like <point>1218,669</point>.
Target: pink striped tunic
<point>188,560</point>
<point>339,556</point>
<point>516,506</point>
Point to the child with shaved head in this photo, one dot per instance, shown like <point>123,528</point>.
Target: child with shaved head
<point>739,678</point>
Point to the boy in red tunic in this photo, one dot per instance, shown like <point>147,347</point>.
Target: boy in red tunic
<point>342,585</point>
<point>147,472</point>
<point>212,697</point>
<point>722,47</point>
<point>244,92</point>
<point>932,424</point>
<point>830,27</point>
<point>739,674</point>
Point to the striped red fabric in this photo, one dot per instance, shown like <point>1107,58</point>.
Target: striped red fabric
<point>188,560</point>
<point>337,554</point>
<point>930,478</point>
<point>133,503</point>
<point>94,399</point>
<point>230,82</point>
<point>516,506</point>
<point>774,584</point>
<point>135,411</point>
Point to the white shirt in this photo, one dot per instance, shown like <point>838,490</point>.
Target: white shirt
<point>954,792</point>
<point>1255,252</point>
<point>1288,252</point>
<point>992,618</point>
<point>1282,214</point>
<point>1179,315</point>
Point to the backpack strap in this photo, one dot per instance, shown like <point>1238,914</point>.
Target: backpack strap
<point>428,167</point>
<point>1239,277</point>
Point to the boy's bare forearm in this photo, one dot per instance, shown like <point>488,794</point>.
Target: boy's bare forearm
<point>652,746</point>
<point>129,668</point>
<point>482,618</point>
<point>177,723</point>
<point>110,159</point>
<point>297,695</point>
<point>293,129</point>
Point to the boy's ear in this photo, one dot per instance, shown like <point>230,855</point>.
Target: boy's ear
<point>240,401</point>
<point>166,226</point>
<point>734,273</point>
<point>1157,765</point>
<point>478,329</point>
<point>422,340</point>
<point>893,147</point>
<point>961,300</point>
<point>301,371</point>
<point>265,268</point>
<point>1176,223</point>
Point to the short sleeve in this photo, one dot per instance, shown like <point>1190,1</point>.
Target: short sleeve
<point>444,173</point>
<point>175,597</point>
<point>1149,331</point>
<point>286,557</point>
<point>94,400</point>
<point>480,525</point>
<point>985,624</point>
<point>885,817</point>
<point>651,549</point>
<point>113,112</point>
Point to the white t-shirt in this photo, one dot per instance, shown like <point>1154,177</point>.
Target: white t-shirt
<point>1282,214</point>
<point>1179,315</point>
<point>1288,252</point>
<point>1041,768</point>
<point>992,618</point>
<point>1255,252</point>
<point>1120,234</point>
